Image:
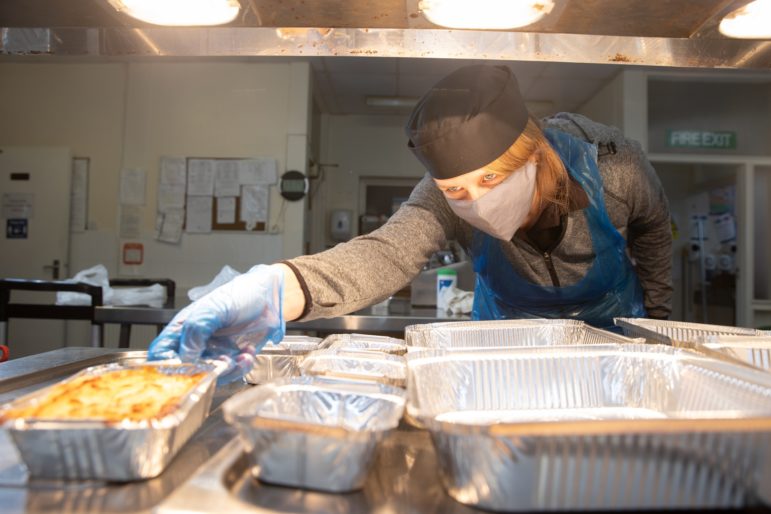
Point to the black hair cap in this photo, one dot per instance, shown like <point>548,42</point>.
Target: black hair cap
<point>467,120</point>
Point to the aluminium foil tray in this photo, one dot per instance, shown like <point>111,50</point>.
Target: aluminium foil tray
<point>669,332</point>
<point>508,333</point>
<point>754,350</point>
<point>314,433</point>
<point>281,360</point>
<point>365,342</point>
<point>633,426</point>
<point>356,365</point>
<point>126,451</point>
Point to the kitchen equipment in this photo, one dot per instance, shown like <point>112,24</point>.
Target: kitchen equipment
<point>618,426</point>
<point>508,333</point>
<point>93,449</point>
<point>365,342</point>
<point>755,350</point>
<point>281,360</point>
<point>356,365</point>
<point>314,433</point>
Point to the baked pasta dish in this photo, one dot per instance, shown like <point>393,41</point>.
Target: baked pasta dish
<point>136,394</point>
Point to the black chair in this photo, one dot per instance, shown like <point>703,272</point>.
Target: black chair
<point>10,309</point>
<point>125,328</point>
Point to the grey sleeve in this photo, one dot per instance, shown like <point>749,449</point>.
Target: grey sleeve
<point>369,268</point>
<point>649,233</point>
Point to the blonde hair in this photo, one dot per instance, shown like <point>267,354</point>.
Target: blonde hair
<point>551,179</point>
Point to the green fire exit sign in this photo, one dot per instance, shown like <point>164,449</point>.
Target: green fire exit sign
<point>701,139</point>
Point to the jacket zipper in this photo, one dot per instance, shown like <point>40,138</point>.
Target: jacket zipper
<point>547,253</point>
<point>550,266</point>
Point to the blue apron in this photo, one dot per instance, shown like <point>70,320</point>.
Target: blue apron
<point>609,289</point>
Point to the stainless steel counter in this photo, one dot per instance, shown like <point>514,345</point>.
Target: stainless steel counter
<point>369,320</point>
<point>211,473</point>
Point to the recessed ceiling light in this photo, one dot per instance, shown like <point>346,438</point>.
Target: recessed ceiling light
<point>485,14</point>
<point>180,12</point>
<point>753,21</point>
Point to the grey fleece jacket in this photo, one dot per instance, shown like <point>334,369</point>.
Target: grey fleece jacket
<point>369,268</point>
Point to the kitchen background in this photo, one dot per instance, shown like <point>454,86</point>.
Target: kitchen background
<point>319,115</point>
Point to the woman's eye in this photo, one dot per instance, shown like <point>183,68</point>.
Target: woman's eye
<point>453,189</point>
<point>489,177</point>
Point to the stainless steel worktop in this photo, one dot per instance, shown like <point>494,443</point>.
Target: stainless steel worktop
<point>371,320</point>
<point>211,473</point>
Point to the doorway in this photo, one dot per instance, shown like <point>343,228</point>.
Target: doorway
<point>35,188</point>
<point>703,204</point>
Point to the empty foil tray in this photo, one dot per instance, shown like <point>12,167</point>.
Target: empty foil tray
<point>633,426</point>
<point>356,365</point>
<point>314,433</point>
<point>365,342</point>
<point>508,333</point>
<point>281,360</point>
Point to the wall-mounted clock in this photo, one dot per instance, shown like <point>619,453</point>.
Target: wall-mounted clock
<point>293,185</point>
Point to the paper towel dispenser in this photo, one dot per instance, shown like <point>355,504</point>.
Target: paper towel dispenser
<point>340,224</point>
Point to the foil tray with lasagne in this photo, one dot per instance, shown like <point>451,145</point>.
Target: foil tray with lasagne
<point>116,422</point>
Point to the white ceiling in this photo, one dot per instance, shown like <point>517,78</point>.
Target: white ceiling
<point>341,84</point>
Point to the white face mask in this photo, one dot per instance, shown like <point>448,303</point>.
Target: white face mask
<point>502,210</point>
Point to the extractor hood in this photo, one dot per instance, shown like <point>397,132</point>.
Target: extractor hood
<point>679,33</point>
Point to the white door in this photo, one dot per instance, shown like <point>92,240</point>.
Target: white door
<point>35,189</point>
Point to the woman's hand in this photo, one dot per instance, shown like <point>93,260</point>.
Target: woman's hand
<point>231,323</point>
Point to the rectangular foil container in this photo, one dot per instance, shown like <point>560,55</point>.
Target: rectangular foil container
<point>281,360</point>
<point>314,433</point>
<point>130,450</point>
<point>509,333</point>
<point>670,332</point>
<point>595,427</point>
<point>755,350</point>
<point>356,365</point>
<point>365,342</point>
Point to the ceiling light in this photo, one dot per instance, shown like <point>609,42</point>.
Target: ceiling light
<point>753,21</point>
<point>485,14</point>
<point>179,12</point>
<point>391,101</point>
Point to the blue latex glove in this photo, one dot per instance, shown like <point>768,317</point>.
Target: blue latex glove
<point>231,323</point>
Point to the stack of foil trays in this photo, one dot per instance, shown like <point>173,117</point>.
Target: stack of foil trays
<point>748,345</point>
<point>312,432</point>
<point>123,451</point>
<point>465,335</point>
<point>281,360</point>
<point>605,426</point>
<point>319,427</point>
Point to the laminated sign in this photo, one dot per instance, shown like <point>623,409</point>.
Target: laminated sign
<point>16,229</point>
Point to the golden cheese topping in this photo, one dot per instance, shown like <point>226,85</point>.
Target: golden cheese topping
<point>135,394</point>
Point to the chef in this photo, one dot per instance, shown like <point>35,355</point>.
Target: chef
<point>562,218</point>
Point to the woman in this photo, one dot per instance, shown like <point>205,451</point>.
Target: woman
<point>548,212</point>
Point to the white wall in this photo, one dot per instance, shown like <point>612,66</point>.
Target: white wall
<point>127,115</point>
<point>209,110</point>
<point>360,146</point>
<point>80,106</point>
<point>622,103</point>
